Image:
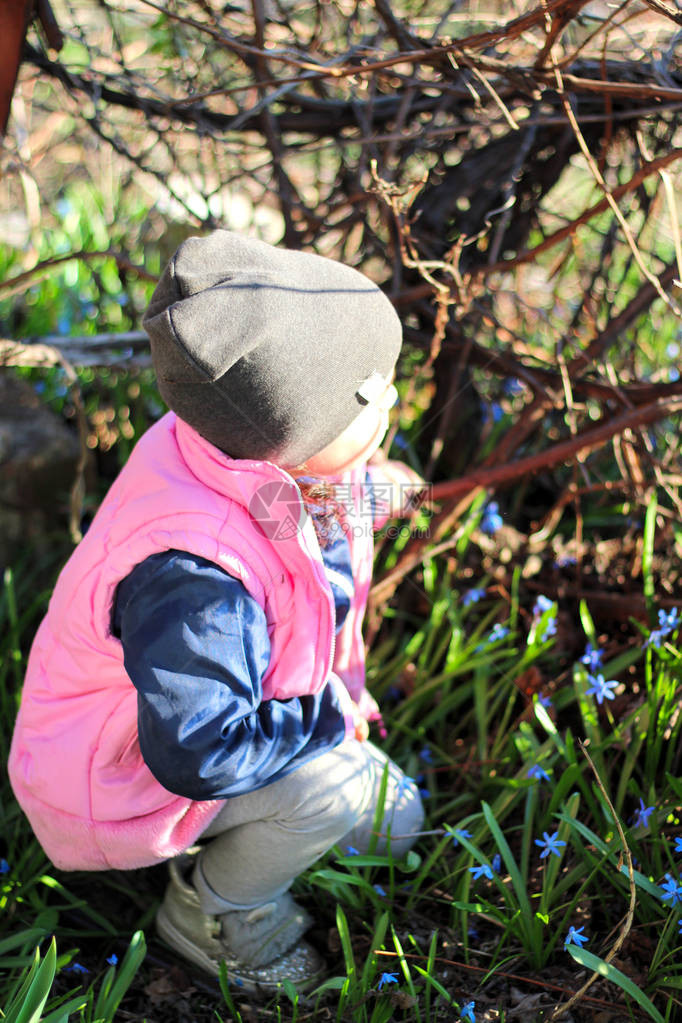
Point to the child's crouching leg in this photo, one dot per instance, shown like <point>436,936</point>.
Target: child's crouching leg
<point>237,907</point>
<point>265,839</point>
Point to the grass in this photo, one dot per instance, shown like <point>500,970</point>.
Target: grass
<point>491,698</point>
<point>526,837</point>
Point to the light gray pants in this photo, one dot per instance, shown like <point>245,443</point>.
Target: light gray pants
<point>263,840</point>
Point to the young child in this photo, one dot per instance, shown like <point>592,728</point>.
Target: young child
<point>196,692</point>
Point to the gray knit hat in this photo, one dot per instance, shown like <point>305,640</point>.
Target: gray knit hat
<point>265,351</point>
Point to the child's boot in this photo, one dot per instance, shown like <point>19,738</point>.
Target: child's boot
<point>268,937</point>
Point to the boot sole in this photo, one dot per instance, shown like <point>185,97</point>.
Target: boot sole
<point>177,941</point>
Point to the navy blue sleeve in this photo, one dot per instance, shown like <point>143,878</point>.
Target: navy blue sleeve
<point>196,648</point>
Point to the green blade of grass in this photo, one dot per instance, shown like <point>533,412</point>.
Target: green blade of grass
<point>112,993</point>
<point>404,966</point>
<point>61,1015</point>
<point>33,994</point>
<point>346,943</point>
<point>607,970</point>
<point>227,994</point>
<point>376,943</point>
<point>510,863</point>
<point>640,880</point>
<point>648,556</point>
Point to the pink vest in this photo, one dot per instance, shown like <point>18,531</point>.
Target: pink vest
<point>75,762</point>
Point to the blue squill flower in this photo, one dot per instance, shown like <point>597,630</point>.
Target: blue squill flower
<point>601,689</point>
<point>481,870</point>
<point>642,814</point>
<point>668,620</point>
<point>672,890</point>
<point>113,959</point>
<point>575,937</point>
<point>387,978</point>
<point>404,784</point>
<point>76,968</point>
<point>541,605</point>
<point>537,772</point>
<point>667,623</point>
<point>472,596</point>
<point>549,844</point>
<point>491,519</point>
<point>593,658</point>
<point>459,833</point>
<point>467,1012</point>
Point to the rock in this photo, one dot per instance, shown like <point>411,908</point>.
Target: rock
<point>38,461</point>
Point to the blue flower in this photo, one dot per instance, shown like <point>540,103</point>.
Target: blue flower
<point>352,851</point>
<point>492,412</point>
<point>404,784</point>
<point>669,621</point>
<point>672,890</point>
<point>679,925</point>
<point>4,866</point>
<point>549,844</point>
<point>497,633</point>
<point>575,937</point>
<point>541,605</point>
<point>549,629</point>
<point>113,959</point>
<point>642,814</point>
<point>601,689</point>
<point>472,597</point>
<point>481,870</point>
<point>678,844</point>
<point>379,890</point>
<point>76,968</point>
<point>593,657</point>
<point>497,863</point>
<point>467,1012</point>
<point>459,833</point>
<point>545,701</point>
<point>426,755</point>
<point>656,637</point>
<point>537,772</point>
<point>491,520</point>
<point>387,978</point>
